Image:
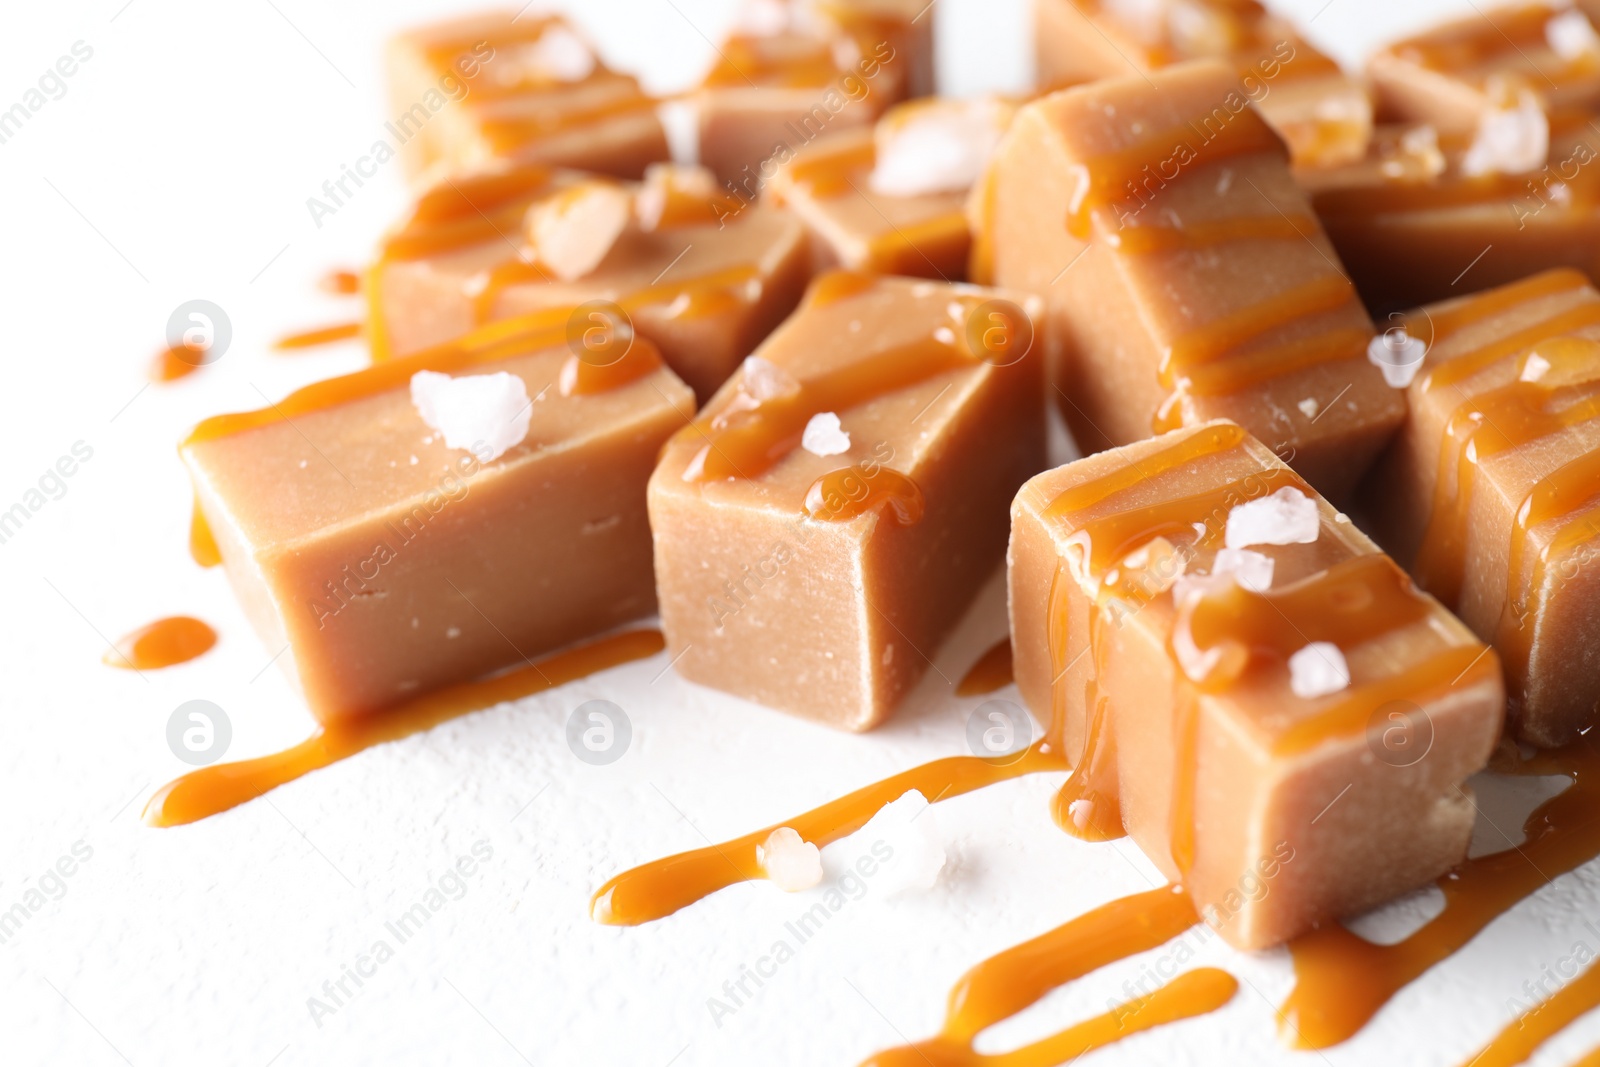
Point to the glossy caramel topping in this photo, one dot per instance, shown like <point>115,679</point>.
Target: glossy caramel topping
<point>991,672</point>
<point>846,493</point>
<point>1236,372</point>
<point>202,545</point>
<point>1531,1029</point>
<point>703,297</point>
<point>1104,180</point>
<point>748,437</point>
<point>162,643</point>
<point>826,172</point>
<point>583,377</point>
<point>662,887</point>
<point>312,338</point>
<point>1218,338</point>
<point>221,786</point>
<point>837,286</point>
<point>466,210</point>
<point>340,283</point>
<point>174,362</point>
<point>1342,980</point>
<point>1005,984</point>
<point>1242,31</point>
<point>781,61</point>
<point>1496,421</point>
<point>1435,327</point>
<point>506,133</point>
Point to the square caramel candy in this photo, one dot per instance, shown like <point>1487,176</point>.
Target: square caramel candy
<point>1244,683</point>
<point>531,88</point>
<point>1491,491</point>
<point>891,198</point>
<point>832,512</point>
<point>1417,221</point>
<point>794,70</point>
<point>427,520</point>
<point>1186,276</point>
<point>1499,67</point>
<point>699,274</point>
<point>1324,114</point>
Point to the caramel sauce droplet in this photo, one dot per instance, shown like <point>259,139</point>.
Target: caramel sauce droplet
<point>849,492</point>
<point>991,672</point>
<point>221,786</point>
<point>664,886</point>
<point>162,643</point>
<point>174,362</point>
<point>323,336</point>
<point>341,283</point>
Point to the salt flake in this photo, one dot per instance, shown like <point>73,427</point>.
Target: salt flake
<point>1317,670</point>
<point>487,413</point>
<point>1287,517</point>
<point>824,437</point>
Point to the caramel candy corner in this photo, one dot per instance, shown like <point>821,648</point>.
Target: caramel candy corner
<point>1187,278</point>
<point>1284,729</point>
<point>841,500</point>
<point>386,559</point>
<point>495,85</point>
<point>1324,114</point>
<point>702,276</point>
<point>1489,492</point>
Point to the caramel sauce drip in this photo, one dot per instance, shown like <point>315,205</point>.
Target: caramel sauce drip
<point>703,297</point>
<point>1011,981</point>
<point>846,493</point>
<point>340,283</point>
<point>202,545</point>
<point>1205,345</point>
<point>174,362</point>
<point>1519,1040</point>
<point>217,788</point>
<point>1494,422</point>
<point>162,643</point>
<point>990,673</point>
<point>581,377</point>
<point>467,210</point>
<point>662,887</point>
<point>1103,180</point>
<point>343,331</point>
<point>1342,980</point>
<point>748,437</point>
<point>1437,327</point>
<point>827,174</point>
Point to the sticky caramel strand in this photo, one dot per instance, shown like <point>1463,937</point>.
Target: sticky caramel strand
<point>1341,980</point>
<point>1531,1029</point>
<point>325,335</point>
<point>163,643</point>
<point>1007,983</point>
<point>1494,422</point>
<point>217,788</point>
<point>660,888</point>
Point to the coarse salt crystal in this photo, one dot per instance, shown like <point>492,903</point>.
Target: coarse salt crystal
<point>1317,670</point>
<point>764,380</point>
<point>935,147</point>
<point>1534,367</point>
<point>791,863</point>
<point>559,54</point>
<point>1571,35</point>
<point>1513,135</point>
<point>487,413</point>
<point>1249,568</point>
<point>573,229</point>
<point>908,828</point>
<point>1287,517</point>
<point>824,437</point>
<point>1309,407</point>
<point>1398,355</point>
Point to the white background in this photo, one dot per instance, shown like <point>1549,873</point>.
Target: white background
<point>176,166</point>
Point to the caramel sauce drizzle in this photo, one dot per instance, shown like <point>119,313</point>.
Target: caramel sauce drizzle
<point>467,210</point>
<point>1145,238</point>
<point>506,133</point>
<point>748,437</point>
<point>1009,982</point>
<point>580,377</point>
<point>202,543</point>
<point>174,362</point>
<point>340,283</point>
<point>846,493</point>
<point>1462,367</point>
<point>163,643</point>
<point>1252,41</point>
<point>1518,1041</point>
<point>217,788</point>
<point>1342,980</point>
<point>992,671</point>
<point>1497,421</point>
<point>1205,345</point>
<point>826,174</point>
<point>660,888</point>
<point>343,331</point>
<point>787,61</point>
<point>703,297</point>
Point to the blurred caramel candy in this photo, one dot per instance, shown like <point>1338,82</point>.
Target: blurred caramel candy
<point>1246,686</point>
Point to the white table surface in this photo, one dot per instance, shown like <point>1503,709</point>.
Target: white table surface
<point>176,165</point>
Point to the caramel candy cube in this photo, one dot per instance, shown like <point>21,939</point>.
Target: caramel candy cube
<point>699,274</point>
<point>1185,272</point>
<point>1491,492</point>
<point>1245,684</point>
<point>387,557</point>
<point>1487,64</point>
<point>793,71</point>
<point>1412,225</point>
<point>1324,114</point>
<point>529,88</point>
<point>833,510</point>
<point>892,198</point>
